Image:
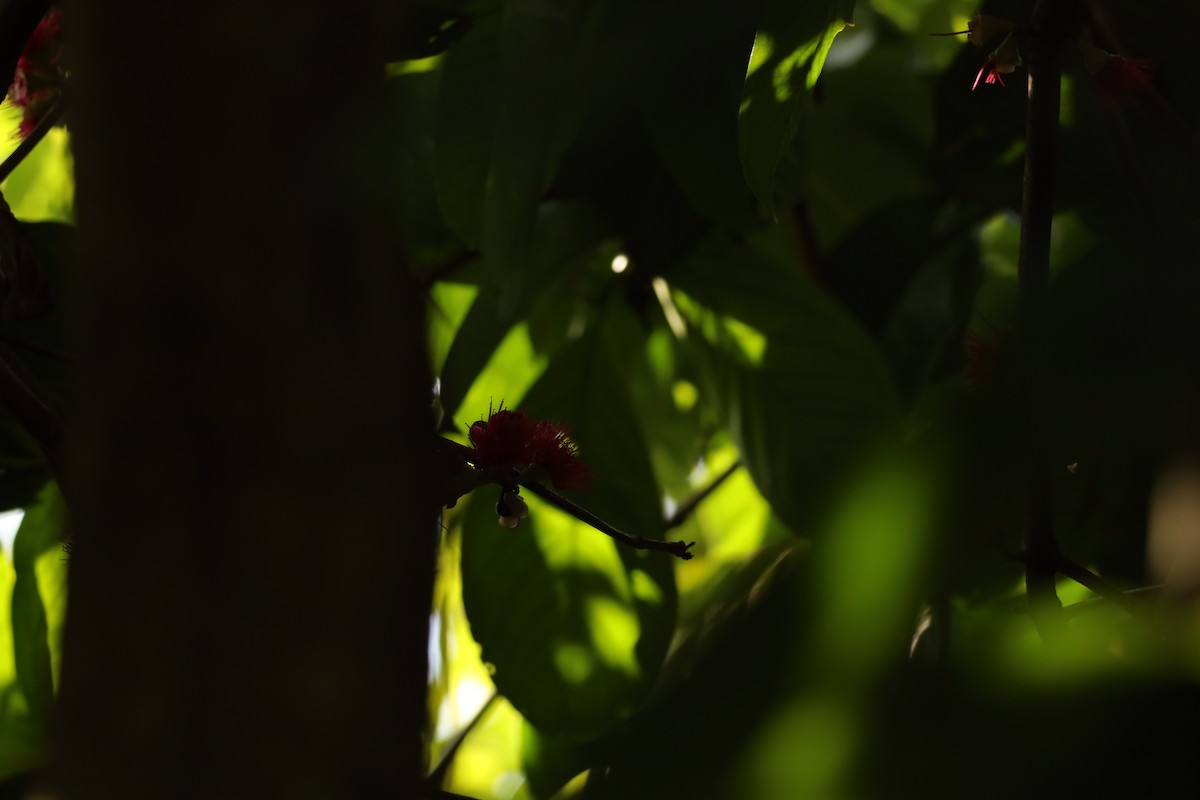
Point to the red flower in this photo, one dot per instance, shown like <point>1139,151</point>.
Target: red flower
<point>38,79</point>
<point>512,440</point>
<point>1120,77</point>
<point>1001,61</point>
<point>1114,76</point>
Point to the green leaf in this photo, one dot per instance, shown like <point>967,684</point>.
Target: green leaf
<point>566,239</point>
<point>38,599</point>
<point>690,101</point>
<point>505,118</point>
<point>575,625</point>
<point>805,388</point>
<point>790,47</point>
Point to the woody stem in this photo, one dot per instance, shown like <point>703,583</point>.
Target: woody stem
<point>1051,22</point>
<point>680,549</point>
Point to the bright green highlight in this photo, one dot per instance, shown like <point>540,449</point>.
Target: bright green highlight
<point>810,55</point>
<point>512,369</point>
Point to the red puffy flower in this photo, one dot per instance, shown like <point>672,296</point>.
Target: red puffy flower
<point>512,440</point>
<point>38,80</point>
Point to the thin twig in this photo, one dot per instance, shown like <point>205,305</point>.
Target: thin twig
<point>680,549</point>
<point>438,774</point>
<point>1085,577</point>
<point>688,506</point>
<point>31,141</point>
<point>1096,603</point>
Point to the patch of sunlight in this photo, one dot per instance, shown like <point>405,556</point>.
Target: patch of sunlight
<point>395,69</point>
<point>731,526</point>
<point>620,263</point>
<point>615,633</point>
<point>734,519</point>
<point>760,53</point>
<point>574,662</point>
<point>685,395</point>
<point>1069,95</point>
<point>51,569</point>
<point>666,299</point>
<point>906,14</point>
<point>999,237</point>
<point>660,353</point>
<point>42,188</point>
<point>571,547</point>
<point>644,587</point>
<point>512,369</point>
<point>873,548</point>
<point>1014,153</point>
<point>821,728</point>
<point>809,57</point>
<point>492,749</point>
<point>448,307</point>
<point>751,341</point>
<point>506,784</point>
<point>10,521</point>
<point>574,786</point>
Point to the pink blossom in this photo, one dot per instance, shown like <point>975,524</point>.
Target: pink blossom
<point>1002,61</point>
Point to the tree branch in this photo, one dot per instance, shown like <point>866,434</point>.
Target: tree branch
<point>1085,577</point>
<point>689,506</point>
<point>679,549</point>
<point>1051,20</point>
<point>438,774</point>
<point>27,144</point>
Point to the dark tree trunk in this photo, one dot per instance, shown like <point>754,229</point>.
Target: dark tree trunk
<point>250,582</point>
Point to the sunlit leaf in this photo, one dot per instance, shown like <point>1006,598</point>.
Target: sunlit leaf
<point>505,119</point>
<point>39,599</point>
<point>818,390</point>
<point>576,626</point>
<point>789,52</point>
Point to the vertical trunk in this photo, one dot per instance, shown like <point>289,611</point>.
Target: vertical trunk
<point>250,583</point>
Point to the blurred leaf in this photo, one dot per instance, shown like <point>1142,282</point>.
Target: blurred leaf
<point>789,52</point>
<point>38,600</point>
<point>422,28</point>
<point>867,142</point>
<point>819,391</point>
<point>504,121</point>
<point>42,187</point>
<point>566,238</point>
<point>555,604</point>
<point>690,101</point>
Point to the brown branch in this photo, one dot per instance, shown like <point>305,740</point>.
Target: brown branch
<point>31,141</point>
<point>1085,577</point>
<point>1051,21</point>
<point>1131,600</point>
<point>689,506</point>
<point>438,774</point>
<point>679,549</point>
